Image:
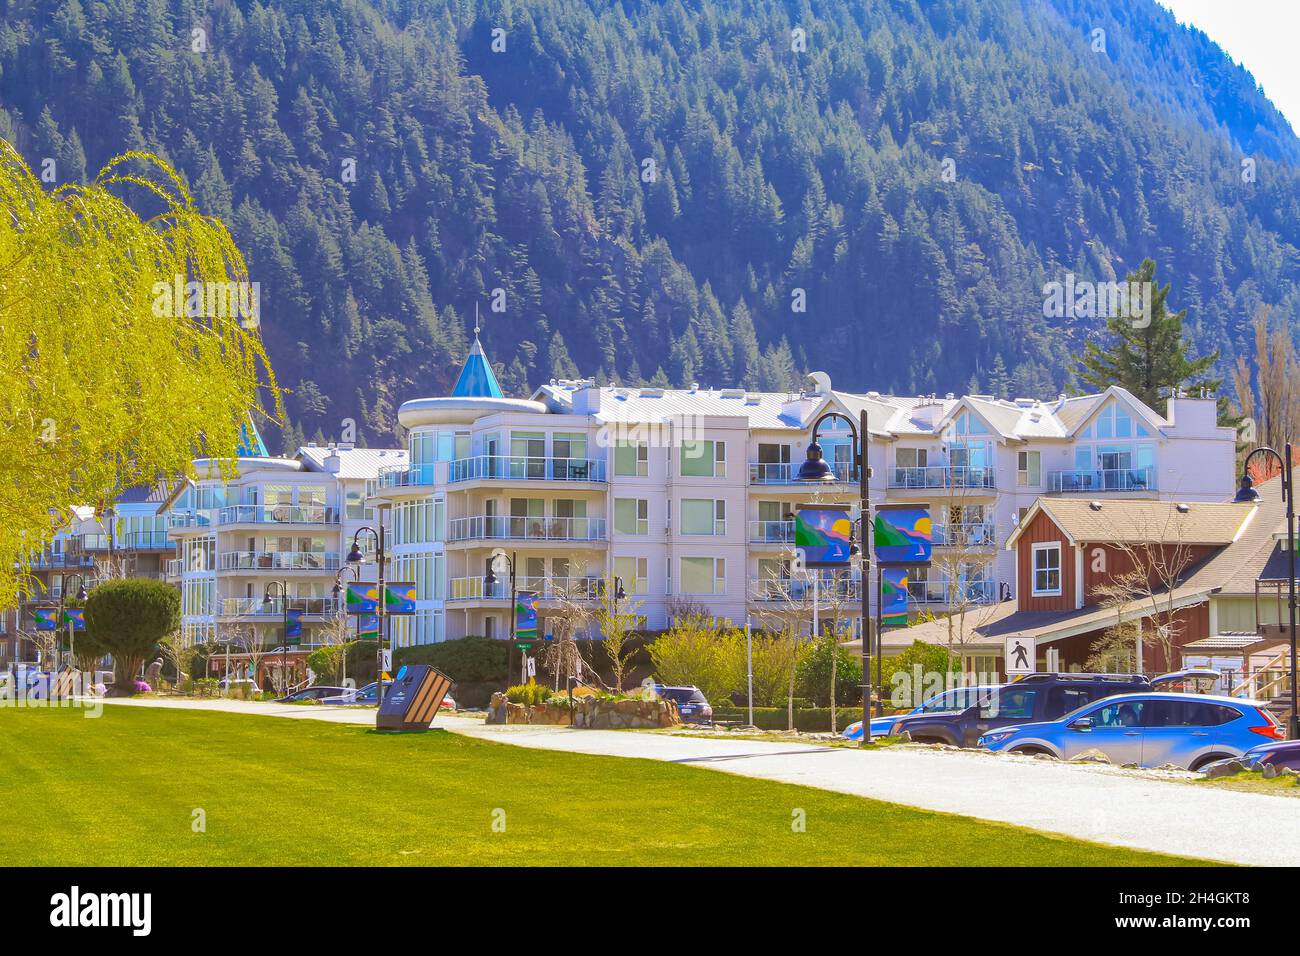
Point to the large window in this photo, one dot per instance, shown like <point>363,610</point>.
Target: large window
<point>1047,569</point>
<point>1029,469</point>
<point>634,573</point>
<point>632,460</point>
<point>704,516</point>
<point>704,459</point>
<point>631,515</point>
<point>703,576</point>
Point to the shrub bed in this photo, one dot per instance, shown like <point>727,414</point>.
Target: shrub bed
<point>808,719</point>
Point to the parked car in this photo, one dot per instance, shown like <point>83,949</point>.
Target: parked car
<point>312,693</point>
<point>230,683</point>
<point>1032,699</point>
<point>1283,754</point>
<point>949,702</point>
<point>1149,729</point>
<point>357,696</point>
<point>692,706</point>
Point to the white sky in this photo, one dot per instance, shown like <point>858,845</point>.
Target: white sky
<point>1259,34</point>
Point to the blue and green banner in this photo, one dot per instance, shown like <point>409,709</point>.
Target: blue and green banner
<point>893,597</point>
<point>824,534</point>
<point>368,627</point>
<point>293,627</point>
<point>45,618</point>
<point>399,597</point>
<point>74,616</point>
<point>525,616</point>
<point>361,598</point>
<point>902,534</point>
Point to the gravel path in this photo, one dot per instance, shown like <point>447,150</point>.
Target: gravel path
<point>1098,803</point>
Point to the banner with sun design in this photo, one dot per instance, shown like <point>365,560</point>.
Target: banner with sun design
<point>824,533</point>
<point>893,597</point>
<point>902,534</point>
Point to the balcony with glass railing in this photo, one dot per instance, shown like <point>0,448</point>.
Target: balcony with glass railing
<point>966,534</point>
<point>1105,479</point>
<point>45,562</point>
<point>513,528</point>
<point>771,532</point>
<point>278,561</point>
<point>406,476</point>
<point>785,473</point>
<point>940,590</point>
<point>257,607</point>
<point>277,514</point>
<point>940,477</point>
<point>511,468</point>
<point>202,518</point>
<point>473,588</point>
<point>800,590</point>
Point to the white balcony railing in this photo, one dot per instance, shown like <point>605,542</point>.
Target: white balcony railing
<point>277,514</point>
<point>510,468</point>
<point>800,590</point>
<point>256,607</point>
<point>279,561</point>
<point>494,527</point>
<point>1106,479</point>
<point>937,477</point>
<point>948,592</point>
<point>771,532</point>
<point>978,534</point>
<point>547,589</point>
<point>785,473</point>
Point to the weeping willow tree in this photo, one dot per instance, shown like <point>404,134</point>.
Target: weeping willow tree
<point>108,378</point>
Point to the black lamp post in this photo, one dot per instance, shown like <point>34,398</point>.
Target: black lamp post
<point>337,591</point>
<point>355,558</point>
<point>81,596</point>
<point>1247,493</point>
<point>815,470</point>
<point>490,579</point>
<point>283,588</point>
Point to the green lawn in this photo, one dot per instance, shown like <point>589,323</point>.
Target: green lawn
<point>122,790</point>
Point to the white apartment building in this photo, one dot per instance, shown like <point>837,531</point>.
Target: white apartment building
<point>686,494</point>
<point>279,524</point>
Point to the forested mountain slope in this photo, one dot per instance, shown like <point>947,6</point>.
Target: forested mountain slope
<point>656,186</point>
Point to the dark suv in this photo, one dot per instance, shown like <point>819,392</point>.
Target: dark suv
<point>1033,698</point>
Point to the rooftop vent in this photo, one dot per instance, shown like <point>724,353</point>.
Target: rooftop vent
<point>950,396</point>
<point>652,393</point>
<point>753,399</point>
<point>1183,507</point>
<point>1094,505</point>
<point>873,394</point>
<point>732,393</point>
<point>1026,402</point>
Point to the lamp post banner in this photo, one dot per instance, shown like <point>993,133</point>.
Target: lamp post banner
<point>824,534</point>
<point>399,597</point>
<point>76,617</point>
<point>902,534</point>
<point>361,597</point>
<point>525,615</point>
<point>45,618</point>
<point>893,597</point>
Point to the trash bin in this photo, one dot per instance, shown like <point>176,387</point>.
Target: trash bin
<point>412,700</point>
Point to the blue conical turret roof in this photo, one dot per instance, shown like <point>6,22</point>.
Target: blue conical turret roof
<point>250,441</point>
<point>476,378</point>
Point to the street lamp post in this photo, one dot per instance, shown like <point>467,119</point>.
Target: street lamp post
<point>815,469</point>
<point>490,579</point>
<point>1246,493</point>
<point>81,596</point>
<point>338,602</point>
<point>283,587</point>
<point>355,559</point>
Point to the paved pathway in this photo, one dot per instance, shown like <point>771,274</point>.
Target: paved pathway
<point>1099,803</point>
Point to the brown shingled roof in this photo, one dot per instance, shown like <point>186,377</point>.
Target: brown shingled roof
<point>1140,521</point>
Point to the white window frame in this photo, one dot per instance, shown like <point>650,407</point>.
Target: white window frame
<point>641,521</point>
<point>719,577</point>
<point>1023,474</point>
<point>1046,547</point>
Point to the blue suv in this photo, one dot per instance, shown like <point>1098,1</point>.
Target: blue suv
<point>1148,729</point>
<point>949,702</point>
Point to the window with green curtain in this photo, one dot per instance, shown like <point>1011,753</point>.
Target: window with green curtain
<point>630,515</point>
<point>698,459</point>
<point>697,516</point>
<point>699,575</point>
<point>631,460</point>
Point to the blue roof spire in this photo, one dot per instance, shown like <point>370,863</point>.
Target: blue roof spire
<point>477,379</point>
<point>250,441</point>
